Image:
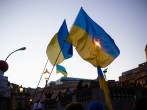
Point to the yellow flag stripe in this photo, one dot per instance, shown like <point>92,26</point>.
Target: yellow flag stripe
<point>53,51</point>
<point>85,44</point>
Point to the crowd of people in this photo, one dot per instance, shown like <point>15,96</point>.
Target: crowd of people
<point>140,104</point>
<point>72,106</point>
<point>91,106</point>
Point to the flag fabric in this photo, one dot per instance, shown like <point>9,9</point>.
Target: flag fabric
<point>58,49</point>
<point>61,69</point>
<point>85,35</point>
<point>104,87</point>
<point>95,46</point>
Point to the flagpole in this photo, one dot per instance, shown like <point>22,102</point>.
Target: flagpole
<point>58,56</point>
<point>104,87</point>
<point>49,74</point>
<point>39,80</point>
<point>52,69</point>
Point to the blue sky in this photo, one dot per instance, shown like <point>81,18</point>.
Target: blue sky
<point>32,23</point>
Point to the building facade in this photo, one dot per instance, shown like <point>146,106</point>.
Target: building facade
<point>135,77</point>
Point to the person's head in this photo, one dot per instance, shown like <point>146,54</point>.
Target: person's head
<point>95,106</point>
<point>75,106</point>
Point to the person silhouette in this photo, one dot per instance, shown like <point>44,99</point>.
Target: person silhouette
<point>5,93</point>
<point>4,88</point>
<point>75,106</point>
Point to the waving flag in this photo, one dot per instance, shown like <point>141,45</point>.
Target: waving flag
<point>95,46</point>
<point>58,49</point>
<point>92,43</point>
<point>61,69</point>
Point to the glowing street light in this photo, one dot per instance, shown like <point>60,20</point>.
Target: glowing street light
<point>21,93</point>
<point>21,89</point>
<point>105,71</point>
<point>23,48</point>
<point>46,73</point>
<point>31,100</point>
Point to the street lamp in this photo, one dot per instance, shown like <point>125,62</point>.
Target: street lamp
<point>46,74</point>
<point>31,100</point>
<point>21,89</point>
<point>105,71</point>
<point>21,92</point>
<point>23,48</point>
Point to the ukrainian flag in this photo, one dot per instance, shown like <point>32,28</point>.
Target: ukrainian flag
<point>58,49</point>
<point>61,69</point>
<point>92,43</point>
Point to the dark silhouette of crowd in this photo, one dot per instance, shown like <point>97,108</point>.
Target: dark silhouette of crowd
<point>75,106</point>
<point>140,104</point>
<point>95,105</point>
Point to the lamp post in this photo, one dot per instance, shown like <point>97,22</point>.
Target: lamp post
<point>46,73</point>
<point>13,99</point>
<point>105,71</point>
<point>21,92</point>
<point>23,48</point>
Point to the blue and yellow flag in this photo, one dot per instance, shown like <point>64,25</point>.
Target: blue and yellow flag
<point>58,49</point>
<point>95,46</point>
<point>61,69</point>
<point>92,43</point>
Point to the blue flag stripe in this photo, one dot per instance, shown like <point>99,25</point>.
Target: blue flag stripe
<point>96,32</point>
<point>65,46</point>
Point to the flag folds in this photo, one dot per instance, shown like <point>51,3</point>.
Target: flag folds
<point>92,43</point>
<point>61,69</point>
<point>58,49</point>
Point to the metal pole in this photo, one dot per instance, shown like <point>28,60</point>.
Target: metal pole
<point>21,101</point>
<point>23,48</point>
<point>46,82</point>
